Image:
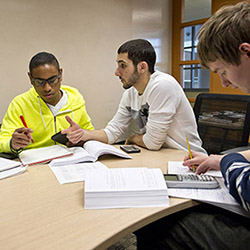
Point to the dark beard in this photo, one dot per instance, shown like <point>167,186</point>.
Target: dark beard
<point>132,80</point>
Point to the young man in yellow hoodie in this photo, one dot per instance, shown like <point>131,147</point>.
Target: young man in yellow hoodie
<point>43,107</point>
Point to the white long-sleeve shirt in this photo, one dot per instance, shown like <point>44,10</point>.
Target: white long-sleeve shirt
<point>162,112</point>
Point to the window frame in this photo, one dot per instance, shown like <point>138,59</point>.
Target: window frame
<point>177,42</point>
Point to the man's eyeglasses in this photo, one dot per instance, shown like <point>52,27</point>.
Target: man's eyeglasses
<point>41,82</point>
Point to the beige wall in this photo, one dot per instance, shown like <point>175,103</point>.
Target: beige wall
<point>84,36</point>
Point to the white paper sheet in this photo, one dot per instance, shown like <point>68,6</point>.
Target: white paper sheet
<point>176,167</point>
<point>220,195</point>
<point>74,172</point>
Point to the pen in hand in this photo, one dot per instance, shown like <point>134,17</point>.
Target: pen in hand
<point>25,125</point>
<point>190,154</point>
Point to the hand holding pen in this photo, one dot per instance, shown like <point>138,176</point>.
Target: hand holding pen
<point>202,162</point>
<point>21,138</point>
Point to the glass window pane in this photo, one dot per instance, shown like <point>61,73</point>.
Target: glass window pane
<point>190,42</point>
<point>196,9</point>
<point>188,36</point>
<point>195,77</point>
<point>187,54</point>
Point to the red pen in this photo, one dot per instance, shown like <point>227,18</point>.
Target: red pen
<point>25,125</point>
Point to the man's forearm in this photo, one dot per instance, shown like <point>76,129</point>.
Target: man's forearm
<point>136,139</point>
<point>98,135</point>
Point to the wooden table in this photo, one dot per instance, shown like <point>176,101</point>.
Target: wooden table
<point>36,212</point>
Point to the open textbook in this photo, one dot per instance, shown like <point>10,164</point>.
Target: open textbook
<point>90,152</point>
<point>9,168</point>
<point>125,187</point>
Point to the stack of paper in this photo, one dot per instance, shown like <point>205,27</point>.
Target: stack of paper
<point>10,168</point>
<point>125,187</point>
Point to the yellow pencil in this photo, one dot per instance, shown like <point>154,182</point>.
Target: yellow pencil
<point>190,154</point>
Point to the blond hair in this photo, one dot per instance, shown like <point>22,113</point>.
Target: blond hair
<point>222,34</point>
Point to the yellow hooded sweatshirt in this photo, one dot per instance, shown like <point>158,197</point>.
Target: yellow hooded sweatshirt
<point>40,119</point>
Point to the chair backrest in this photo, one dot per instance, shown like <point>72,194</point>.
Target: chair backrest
<point>223,121</point>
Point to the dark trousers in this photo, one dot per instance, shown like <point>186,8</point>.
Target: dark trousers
<point>200,227</point>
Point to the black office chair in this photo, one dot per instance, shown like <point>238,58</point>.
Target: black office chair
<point>223,121</point>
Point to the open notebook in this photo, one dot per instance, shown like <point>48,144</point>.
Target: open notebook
<point>43,155</point>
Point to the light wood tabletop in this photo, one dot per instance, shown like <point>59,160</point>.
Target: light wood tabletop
<point>36,212</point>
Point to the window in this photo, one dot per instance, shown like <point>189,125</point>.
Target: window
<point>190,42</point>
<point>185,64</point>
<point>193,77</point>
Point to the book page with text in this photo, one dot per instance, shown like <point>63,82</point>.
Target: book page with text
<point>125,179</point>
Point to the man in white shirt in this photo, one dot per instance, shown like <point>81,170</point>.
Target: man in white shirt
<point>154,100</point>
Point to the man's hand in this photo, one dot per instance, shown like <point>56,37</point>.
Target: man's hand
<point>78,136</point>
<point>202,162</point>
<point>74,132</point>
<point>21,138</point>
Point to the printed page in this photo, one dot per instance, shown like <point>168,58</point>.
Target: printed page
<point>97,149</point>
<point>125,179</point>
<point>43,155</point>
<point>176,167</point>
<point>74,172</point>
<point>8,164</point>
<point>219,195</point>
<point>79,155</point>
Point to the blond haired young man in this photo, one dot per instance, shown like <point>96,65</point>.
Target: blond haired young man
<point>224,47</point>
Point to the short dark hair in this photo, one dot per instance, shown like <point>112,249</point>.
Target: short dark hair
<point>139,50</point>
<point>43,58</point>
